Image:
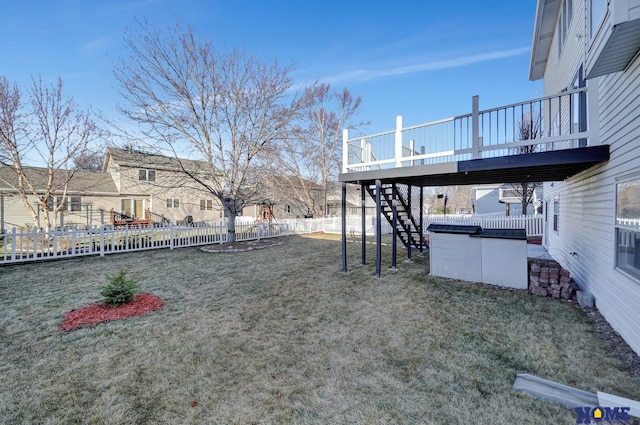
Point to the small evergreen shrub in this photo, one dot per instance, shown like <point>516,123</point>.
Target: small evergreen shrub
<point>120,290</point>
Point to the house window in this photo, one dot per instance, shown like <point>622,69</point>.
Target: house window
<point>70,203</point>
<point>147,175</point>
<point>566,13</point>
<point>74,203</point>
<point>206,205</point>
<point>597,10</point>
<point>556,214</point>
<point>287,209</point>
<point>628,226</point>
<point>173,203</point>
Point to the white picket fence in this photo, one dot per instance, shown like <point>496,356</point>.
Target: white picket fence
<point>20,246</point>
<point>533,224</point>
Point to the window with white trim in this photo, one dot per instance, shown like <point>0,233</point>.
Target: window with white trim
<point>287,209</point>
<point>173,203</point>
<point>70,203</point>
<point>146,175</point>
<point>628,226</point>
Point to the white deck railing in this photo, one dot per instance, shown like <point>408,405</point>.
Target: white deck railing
<point>20,245</point>
<point>554,122</point>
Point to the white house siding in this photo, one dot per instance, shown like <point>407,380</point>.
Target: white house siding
<point>585,243</point>
<point>562,68</point>
<point>634,9</point>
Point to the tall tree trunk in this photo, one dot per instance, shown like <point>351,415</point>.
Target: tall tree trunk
<point>229,205</point>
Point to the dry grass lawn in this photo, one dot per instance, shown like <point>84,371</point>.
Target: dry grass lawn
<point>281,335</point>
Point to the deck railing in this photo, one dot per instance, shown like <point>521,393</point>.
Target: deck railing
<point>543,124</point>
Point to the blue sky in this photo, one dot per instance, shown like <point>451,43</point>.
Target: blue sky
<point>423,60</point>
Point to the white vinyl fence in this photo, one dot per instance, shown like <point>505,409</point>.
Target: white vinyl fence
<point>31,245</point>
<point>533,224</point>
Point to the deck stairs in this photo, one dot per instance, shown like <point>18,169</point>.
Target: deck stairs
<point>407,226</point>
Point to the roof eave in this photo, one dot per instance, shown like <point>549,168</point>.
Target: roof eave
<point>546,16</point>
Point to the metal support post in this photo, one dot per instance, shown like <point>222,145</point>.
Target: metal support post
<point>363,200</point>
<point>394,225</point>
<point>378,228</point>
<point>421,220</point>
<point>344,227</point>
<point>411,220</point>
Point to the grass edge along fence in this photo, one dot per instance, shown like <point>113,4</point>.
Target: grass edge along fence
<point>18,246</point>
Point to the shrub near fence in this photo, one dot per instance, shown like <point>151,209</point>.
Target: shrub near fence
<point>19,246</point>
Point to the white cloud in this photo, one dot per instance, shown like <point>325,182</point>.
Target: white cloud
<point>369,74</point>
<point>94,45</point>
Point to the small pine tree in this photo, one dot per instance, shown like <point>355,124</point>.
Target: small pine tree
<point>120,290</point>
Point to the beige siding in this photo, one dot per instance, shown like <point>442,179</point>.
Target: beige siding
<point>17,215</point>
<point>168,185</point>
<point>585,242</point>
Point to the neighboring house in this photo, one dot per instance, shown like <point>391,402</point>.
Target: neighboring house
<point>86,194</point>
<point>501,199</point>
<point>592,224</point>
<point>131,183</point>
<point>587,52</point>
<point>157,183</point>
<point>288,198</point>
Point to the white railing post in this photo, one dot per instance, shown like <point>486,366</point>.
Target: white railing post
<point>14,242</point>
<point>398,141</point>
<point>345,150</point>
<point>171,236</point>
<point>102,241</point>
<point>475,126</point>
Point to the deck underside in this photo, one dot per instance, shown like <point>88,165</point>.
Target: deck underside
<point>534,167</point>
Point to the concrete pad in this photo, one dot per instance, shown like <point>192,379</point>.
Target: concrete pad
<point>585,299</point>
<point>538,252</point>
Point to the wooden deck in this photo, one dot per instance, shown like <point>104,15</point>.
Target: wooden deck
<point>119,220</point>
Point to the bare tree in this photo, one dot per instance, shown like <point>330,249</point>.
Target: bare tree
<point>219,108</point>
<point>310,155</point>
<point>529,128</point>
<point>88,161</point>
<point>48,129</point>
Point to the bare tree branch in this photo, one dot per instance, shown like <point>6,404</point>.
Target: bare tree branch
<point>220,108</point>
<point>310,154</point>
<point>529,128</point>
<point>49,129</point>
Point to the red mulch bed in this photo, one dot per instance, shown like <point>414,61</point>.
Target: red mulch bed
<point>100,312</point>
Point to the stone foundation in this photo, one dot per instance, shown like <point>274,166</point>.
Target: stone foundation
<point>548,279</point>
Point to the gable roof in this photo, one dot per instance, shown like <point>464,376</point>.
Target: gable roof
<point>545,24</point>
<point>139,159</point>
<point>81,182</point>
